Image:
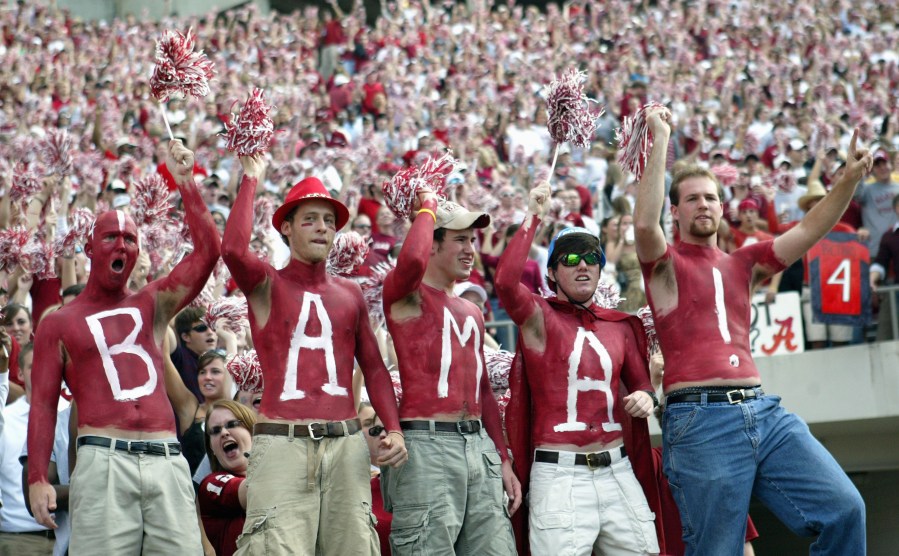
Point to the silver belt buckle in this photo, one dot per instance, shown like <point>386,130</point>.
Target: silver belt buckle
<point>732,393</point>
<point>312,432</point>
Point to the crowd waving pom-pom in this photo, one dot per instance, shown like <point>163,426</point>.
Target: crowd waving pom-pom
<point>349,252</point>
<point>251,132</point>
<point>179,70</point>
<point>400,191</point>
<point>635,141</point>
<point>247,372</point>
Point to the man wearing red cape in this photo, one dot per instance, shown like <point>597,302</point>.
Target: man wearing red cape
<point>574,435</point>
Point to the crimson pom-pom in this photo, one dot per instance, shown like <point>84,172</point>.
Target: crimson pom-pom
<point>822,134</point>
<point>12,240</point>
<point>373,291</point>
<point>56,152</point>
<point>498,363</point>
<point>607,296</point>
<point>232,309</point>
<point>397,385</point>
<point>180,70</point>
<point>400,190</point>
<point>649,326</point>
<point>727,174</point>
<point>150,200</point>
<point>288,172</point>
<point>25,184</point>
<point>349,252</point>
<point>37,258</point>
<point>782,180</point>
<point>80,230</point>
<point>568,110</point>
<point>250,133</point>
<point>247,372</point>
<point>635,141</point>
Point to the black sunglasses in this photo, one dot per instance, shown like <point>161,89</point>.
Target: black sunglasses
<point>573,259</point>
<point>200,328</point>
<point>217,430</point>
<point>375,431</point>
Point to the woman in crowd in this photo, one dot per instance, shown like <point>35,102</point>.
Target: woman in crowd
<point>223,493</point>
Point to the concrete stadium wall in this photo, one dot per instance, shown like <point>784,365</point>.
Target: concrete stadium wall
<point>152,9</point>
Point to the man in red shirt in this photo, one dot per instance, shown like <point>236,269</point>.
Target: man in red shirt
<point>449,496</point>
<point>133,486</point>
<point>583,492</point>
<point>724,438</point>
<point>307,482</point>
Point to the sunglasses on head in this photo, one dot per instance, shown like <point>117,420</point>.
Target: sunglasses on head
<point>362,226</point>
<point>217,351</point>
<point>375,431</point>
<point>200,328</point>
<point>217,430</point>
<point>574,259</point>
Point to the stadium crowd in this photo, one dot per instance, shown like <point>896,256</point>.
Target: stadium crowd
<point>764,94</point>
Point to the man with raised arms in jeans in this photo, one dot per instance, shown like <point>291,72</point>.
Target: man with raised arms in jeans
<point>725,439</point>
<point>132,488</point>
<point>448,499</point>
<point>308,488</point>
<point>566,414</point>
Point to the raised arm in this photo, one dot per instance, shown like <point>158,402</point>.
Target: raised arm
<point>413,259</point>
<point>650,237</point>
<point>189,276</point>
<point>183,401</point>
<point>46,380</point>
<point>515,296</point>
<point>246,268</point>
<point>822,218</point>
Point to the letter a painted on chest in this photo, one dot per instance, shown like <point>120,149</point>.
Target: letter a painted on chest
<point>300,340</point>
<point>576,384</point>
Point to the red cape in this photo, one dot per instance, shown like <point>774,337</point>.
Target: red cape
<point>636,431</point>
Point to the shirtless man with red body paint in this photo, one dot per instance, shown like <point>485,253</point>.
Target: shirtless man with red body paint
<point>308,484</point>
<point>450,494</point>
<point>566,416</point>
<point>132,488</point>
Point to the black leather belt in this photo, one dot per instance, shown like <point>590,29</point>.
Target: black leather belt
<point>46,533</point>
<point>132,446</point>
<point>718,395</point>
<point>598,459</point>
<point>315,431</point>
<point>461,427</point>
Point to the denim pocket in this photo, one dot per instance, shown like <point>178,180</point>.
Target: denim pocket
<point>677,421</point>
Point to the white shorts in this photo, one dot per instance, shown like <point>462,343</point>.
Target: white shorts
<point>575,511</point>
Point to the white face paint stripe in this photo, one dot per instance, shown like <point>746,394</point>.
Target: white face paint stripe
<point>720,307</point>
<point>121,216</point>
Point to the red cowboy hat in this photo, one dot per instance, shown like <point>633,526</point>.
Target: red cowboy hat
<point>308,189</point>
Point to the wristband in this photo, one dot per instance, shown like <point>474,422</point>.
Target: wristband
<point>397,432</point>
<point>655,399</point>
<point>429,211</point>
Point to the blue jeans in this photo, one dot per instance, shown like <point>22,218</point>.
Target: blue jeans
<point>717,455</point>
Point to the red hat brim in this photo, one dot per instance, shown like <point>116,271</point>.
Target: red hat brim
<point>309,189</point>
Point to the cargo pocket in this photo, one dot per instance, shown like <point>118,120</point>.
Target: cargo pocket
<point>493,464</point>
<point>253,539</point>
<point>409,530</point>
<point>643,519</point>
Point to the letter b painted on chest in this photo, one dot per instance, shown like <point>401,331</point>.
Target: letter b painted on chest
<point>128,346</point>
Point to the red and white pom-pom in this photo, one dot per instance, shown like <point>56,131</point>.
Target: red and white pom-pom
<point>56,152</point>
<point>12,241</point>
<point>502,402</point>
<point>126,168</point>
<point>498,363</point>
<point>635,141</point>
<point>289,172</point>
<point>397,385</point>
<point>80,230</point>
<point>727,174</point>
<point>263,208</point>
<point>822,135</point>
<point>89,172</point>
<point>649,325</point>
<point>782,180</point>
<point>38,259</point>
<point>349,252</point>
<point>180,70</point>
<point>568,110</point>
<point>751,143</point>
<point>233,310</point>
<point>150,200</point>
<point>400,190</point>
<point>607,296</point>
<point>373,291</point>
<point>247,372</point>
<point>250,133</point>
<point>25,184</point>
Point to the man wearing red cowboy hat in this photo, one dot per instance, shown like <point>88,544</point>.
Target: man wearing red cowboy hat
<point>308,482</point>
<point>569,423</point>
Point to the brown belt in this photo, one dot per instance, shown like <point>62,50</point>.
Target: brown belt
<point>315,431</point>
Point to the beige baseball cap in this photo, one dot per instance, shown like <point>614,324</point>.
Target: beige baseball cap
<point>453,216</point>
